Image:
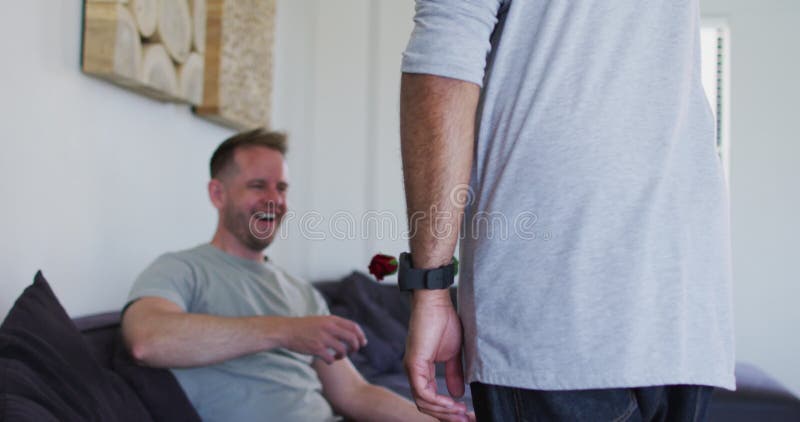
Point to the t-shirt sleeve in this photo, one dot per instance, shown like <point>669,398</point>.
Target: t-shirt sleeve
<point>167,277</point>
<point>451,38</point>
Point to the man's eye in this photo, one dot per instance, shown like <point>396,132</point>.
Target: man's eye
<point>257,187</point>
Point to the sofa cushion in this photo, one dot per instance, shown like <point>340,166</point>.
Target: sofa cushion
<point>157,388</point>
<point>47,367</point>
<point>21,409</point>
<point>382,311</point>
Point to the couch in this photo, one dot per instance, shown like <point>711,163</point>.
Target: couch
<point>53,368</point>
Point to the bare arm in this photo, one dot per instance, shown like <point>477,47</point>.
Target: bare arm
<point>437,131</point>
<point>159,333</point>
<point>437,120</point>
<point>353,397</point>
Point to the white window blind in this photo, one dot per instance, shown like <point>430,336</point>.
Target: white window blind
<point>715,51</point>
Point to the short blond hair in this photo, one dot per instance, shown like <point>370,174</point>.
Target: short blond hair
<point>223,155</point>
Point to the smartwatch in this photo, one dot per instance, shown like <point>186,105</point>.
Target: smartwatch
<point>411,278</point>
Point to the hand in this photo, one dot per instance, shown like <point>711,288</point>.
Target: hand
<point>327,337</point>
<point>434,335</point>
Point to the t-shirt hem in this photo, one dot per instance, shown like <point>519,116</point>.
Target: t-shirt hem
<point>413,64</point>
<point>517,380</point>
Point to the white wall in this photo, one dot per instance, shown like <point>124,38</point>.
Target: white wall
<point>345,152</point>
<point>765,197</point>
<point>95,181</point>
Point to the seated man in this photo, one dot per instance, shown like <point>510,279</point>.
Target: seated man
<point>246,340</point>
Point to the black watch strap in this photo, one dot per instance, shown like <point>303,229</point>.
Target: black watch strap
<point>411,278</point>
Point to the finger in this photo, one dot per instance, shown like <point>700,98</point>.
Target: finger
<point>418,380</point>
<point>354,328</point>
<point>361,336</point>
<point>324,356</point>
<point>349,338</point>
<point>454,375</point>
<point>421,377</point>
<point>457,408</point>
<point>471,416</point>
<point>448,417</point>
<point>334,346</point>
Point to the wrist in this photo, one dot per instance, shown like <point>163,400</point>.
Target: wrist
<point>275,332</point>
<point>429,261</point>
<point>431,298</point>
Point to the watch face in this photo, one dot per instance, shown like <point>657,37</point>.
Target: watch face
<point>405,259</point>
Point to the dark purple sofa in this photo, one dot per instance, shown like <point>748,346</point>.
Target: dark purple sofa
<point>55,368</point>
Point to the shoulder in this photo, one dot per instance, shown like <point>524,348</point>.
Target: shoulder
<point>197,253</point>
<point>192,257</point>
<point>181,266</point>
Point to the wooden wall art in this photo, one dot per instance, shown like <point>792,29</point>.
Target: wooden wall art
<point>215,55</point>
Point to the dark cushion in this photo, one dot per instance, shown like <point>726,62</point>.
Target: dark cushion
<point>100,332</point>
<point>48,370</point>
<point>21,409</point>
<point>382,311</point>
<point>157,388</point>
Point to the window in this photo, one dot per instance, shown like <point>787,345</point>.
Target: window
<point>715,50</point>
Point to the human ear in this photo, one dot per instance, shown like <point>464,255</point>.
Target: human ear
<point>216,192</point>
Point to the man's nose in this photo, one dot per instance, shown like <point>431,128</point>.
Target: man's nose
<point>274,198</point>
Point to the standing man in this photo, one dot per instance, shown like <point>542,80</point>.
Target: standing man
<point>588,118</point>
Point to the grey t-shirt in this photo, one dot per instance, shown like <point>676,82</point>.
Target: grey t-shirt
<point>596,246</point>
<point>273,385</point>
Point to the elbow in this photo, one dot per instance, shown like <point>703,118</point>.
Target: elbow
<point>143,333</point>
<point>140,346</point>
<point>140,352</point>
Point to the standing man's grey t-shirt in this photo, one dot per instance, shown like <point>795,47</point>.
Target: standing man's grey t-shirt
<point>595,147</point>
<point>273,385</point>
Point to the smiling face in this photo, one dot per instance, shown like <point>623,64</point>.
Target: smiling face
<point>251,197</point>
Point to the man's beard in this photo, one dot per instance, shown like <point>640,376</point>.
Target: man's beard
<point>239,224</point>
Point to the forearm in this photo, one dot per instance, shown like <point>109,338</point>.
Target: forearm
<point>437,120</point>
<point>375,403</point>
<point>166,339</point>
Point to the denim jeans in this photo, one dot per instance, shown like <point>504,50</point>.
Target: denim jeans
<point>662,403</point>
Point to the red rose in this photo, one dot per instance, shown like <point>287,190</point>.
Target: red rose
<point>382,265</point>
